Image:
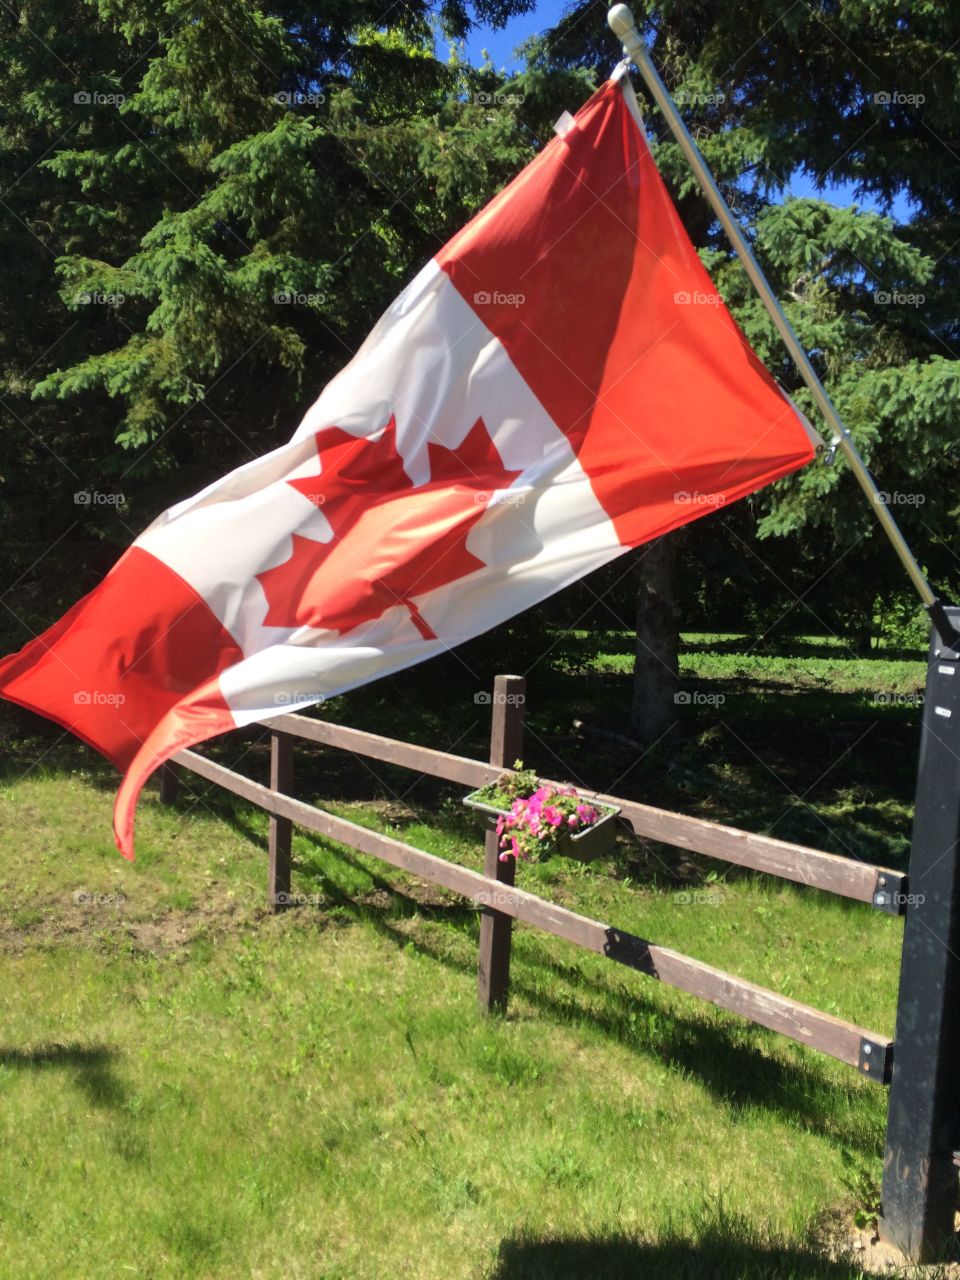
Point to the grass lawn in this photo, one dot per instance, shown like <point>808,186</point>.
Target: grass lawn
<point>192,1088</point>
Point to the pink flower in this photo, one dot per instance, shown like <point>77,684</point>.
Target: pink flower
<point>533,823</point>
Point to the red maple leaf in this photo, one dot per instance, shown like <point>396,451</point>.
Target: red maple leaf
<point>391,539</point>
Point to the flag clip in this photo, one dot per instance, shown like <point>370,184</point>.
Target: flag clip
<point>564,125</point>
<point>831,454</point>
<point>890,893</point>
<point>875,1059</point>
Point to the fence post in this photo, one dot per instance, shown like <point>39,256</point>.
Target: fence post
<point>506,746</point>
<point>919,1195</point>
<point>281,829</point>
<point>169,783</point>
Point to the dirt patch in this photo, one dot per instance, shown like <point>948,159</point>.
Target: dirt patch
<point>104,921</point>
<point>112,921</point>
<point>843,1242</point>
<point>392,810</point>
<point>428,896</point>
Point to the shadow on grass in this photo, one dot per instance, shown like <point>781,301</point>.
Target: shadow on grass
<point>728,1061</point>
<point>90,1067</point>
<point>715,1257</point>
<point>620,1258</point>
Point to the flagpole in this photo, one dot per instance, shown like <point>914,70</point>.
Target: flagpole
<point>622,24</point>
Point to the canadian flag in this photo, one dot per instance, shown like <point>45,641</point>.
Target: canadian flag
<point>560,383</point>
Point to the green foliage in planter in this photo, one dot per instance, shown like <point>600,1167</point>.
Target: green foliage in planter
<point>511,784</point>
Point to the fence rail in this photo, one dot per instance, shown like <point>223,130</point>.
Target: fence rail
<point>923,1127</point>
<point>502,902</point>
<point>833,1036</point>
<point>882,887</point>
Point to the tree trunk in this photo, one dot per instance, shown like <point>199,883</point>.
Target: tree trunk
<point>656,677</point>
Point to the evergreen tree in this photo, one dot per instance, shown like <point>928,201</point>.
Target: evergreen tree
<point>861,92</point>
<point>204,210</point>
<point>209,208</point>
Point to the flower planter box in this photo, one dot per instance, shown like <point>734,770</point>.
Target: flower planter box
<point>586,845</point>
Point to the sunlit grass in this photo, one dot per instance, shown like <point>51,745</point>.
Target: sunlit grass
<point>189,1087</point>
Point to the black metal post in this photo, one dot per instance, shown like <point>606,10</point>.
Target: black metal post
<point>919,1196</point>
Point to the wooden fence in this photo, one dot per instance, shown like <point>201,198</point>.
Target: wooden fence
<point>922,1152</point>
<point>502,902</point>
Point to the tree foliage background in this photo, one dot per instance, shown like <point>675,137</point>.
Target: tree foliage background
<point>861,92</point>
<point>204,207</point>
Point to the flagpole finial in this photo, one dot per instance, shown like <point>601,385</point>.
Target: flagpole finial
<point>620,21</point>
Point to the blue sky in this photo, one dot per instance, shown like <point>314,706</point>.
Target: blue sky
<point>501,46</point>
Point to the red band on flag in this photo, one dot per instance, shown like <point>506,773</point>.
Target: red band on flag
<point>201,715</point>
<point>111,669</point>
<point>583,270</point>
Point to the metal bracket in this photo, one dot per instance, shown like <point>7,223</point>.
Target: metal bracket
<point>830,451</point>
<point>890,893</point>
<point>944,628</point>
<point>875,1060</point>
